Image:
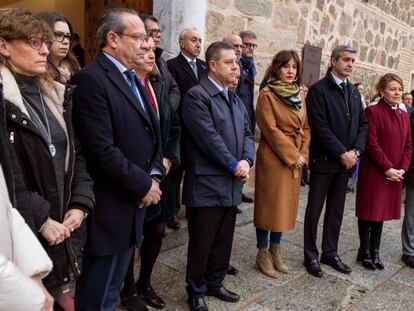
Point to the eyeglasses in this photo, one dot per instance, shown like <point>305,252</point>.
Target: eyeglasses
<point>153,31</point>
<point>60,36</point>
<point>137,37</point>
<point>36,43</point>
<point>250,46</point>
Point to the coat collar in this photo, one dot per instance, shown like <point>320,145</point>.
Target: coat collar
<point>212,90</point>
<point>186,66</point>
<point>118,79</point>
<point>53,96</point>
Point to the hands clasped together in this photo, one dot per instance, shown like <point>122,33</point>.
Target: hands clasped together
<point>55,232</point>
<point>349,159</point>
<point>242,170</point>
<point>394,175</point>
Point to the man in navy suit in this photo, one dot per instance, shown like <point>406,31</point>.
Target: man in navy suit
<point>219,153</point>
<point>120,137</point>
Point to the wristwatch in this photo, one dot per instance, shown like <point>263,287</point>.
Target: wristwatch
<point>357,152</point>
<point>157,178</point>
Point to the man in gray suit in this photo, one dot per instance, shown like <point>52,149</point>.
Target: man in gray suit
<point>219,154</point>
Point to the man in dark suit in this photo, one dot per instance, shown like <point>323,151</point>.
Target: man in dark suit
<point>219,153</point>
<point>120,136</point>
<point>187,71</point>
<point>245,88</point>
<point>338,128</point>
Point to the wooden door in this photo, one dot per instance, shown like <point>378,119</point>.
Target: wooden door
<point>93,12</point>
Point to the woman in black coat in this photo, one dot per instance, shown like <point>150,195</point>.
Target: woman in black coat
<point>38,118</point>
<point>156,215</point>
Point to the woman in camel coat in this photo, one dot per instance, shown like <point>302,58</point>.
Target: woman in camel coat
<point>283,150</point>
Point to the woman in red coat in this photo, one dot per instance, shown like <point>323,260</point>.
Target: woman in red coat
<point>386,159</point>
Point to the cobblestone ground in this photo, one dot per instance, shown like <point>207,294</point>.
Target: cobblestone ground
<point>390,289</point>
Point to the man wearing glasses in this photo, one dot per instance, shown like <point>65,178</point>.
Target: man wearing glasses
<point>245,88</point>
<point>120,137</point>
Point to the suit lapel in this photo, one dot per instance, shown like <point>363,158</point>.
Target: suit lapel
<point>186,66</point>
<point>202,70</point>
<point>118,79</point>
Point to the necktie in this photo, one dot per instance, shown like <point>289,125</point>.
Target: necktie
<point>226,94</point>
<point>193,65</point>
<point>133,86</point>
<point>345,89</point>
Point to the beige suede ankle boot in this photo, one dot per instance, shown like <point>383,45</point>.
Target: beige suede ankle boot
<point>264,262</point>
<point>276,255</point>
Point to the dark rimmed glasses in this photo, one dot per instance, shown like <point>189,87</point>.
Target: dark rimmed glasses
<point>36,43</point>
<point>250,46</point>
<point>60,36</point>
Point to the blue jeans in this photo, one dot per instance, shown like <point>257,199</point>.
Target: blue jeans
<point>263,238</point>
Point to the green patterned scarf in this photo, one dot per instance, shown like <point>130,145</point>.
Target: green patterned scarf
<point>287,93</point>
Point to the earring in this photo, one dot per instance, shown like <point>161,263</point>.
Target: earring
<point>7,55</point>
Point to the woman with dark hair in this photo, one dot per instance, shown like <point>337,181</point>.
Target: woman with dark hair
<point>283,151</point>
<point>156,215</point>
<point>61,59</point>
<point>386,159</point>
<point>38,116</point>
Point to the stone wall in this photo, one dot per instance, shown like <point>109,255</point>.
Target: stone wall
<point>382,31</point>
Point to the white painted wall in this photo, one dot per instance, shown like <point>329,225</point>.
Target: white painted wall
<point>176,15</point>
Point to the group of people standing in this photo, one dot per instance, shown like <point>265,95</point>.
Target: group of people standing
<point>92,159</point>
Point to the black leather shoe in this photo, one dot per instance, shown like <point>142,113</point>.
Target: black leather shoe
<point>197,304</point>
<point>222,293</point>
<point>151,298</point>
<point>238,210</point>
<point>247,199</point>
<point>364,257</point>
<point>336,263</point>
<point>134,303</point>
<point>231,270</point>
<point>408,260</point>
<point>376,259</point>
<point>313,267</point>
<point>174,223</point>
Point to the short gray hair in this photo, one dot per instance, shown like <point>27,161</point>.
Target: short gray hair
<point>112,20</point>
<point>247,34</point>
<point>182,33</point>
<point>341,48</point>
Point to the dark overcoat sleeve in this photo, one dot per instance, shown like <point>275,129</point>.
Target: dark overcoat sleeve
<point>321,131</point>
<point>199,123</point>
<point>93,124</point>
<point>248,143</point>
<point>361,137</point>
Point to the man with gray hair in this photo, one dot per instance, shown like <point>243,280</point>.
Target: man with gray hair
<point>187,70</point>
<point>120,136</point>
<point>338,129</point>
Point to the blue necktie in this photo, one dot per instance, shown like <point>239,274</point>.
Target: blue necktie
<point>133,86</point>
<point>193,65</point>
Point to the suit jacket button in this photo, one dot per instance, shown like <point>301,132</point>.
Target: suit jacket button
<point>147,129</point>
<point>148,162</point>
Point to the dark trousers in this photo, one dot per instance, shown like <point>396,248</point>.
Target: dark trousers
<point>331,186</point>
<point>150,249</point>
<point>99,285</point>
<point>210,231</point>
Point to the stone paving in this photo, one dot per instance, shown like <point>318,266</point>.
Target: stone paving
<point>390,289</point>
